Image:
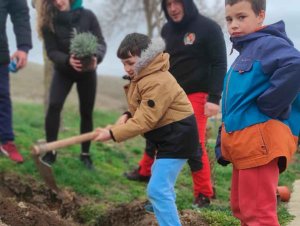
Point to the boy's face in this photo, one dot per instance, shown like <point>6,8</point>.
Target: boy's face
<point>129,65</point>
<point>241,19</point>
<point>175,10</point>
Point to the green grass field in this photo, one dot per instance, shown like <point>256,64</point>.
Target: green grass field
<point>106,184</point>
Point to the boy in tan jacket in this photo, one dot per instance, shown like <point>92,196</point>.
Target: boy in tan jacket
<point>159,109</point>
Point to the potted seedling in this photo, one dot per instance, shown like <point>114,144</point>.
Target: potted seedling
<point>84,47</point>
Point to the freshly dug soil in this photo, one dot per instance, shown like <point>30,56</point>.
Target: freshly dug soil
<point>24,201</point>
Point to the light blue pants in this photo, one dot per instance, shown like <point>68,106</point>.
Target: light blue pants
<point>161,190</point>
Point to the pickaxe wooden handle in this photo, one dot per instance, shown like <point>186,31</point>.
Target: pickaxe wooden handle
<point>42,148</point>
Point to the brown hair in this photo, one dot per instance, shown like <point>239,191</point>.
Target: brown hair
<point>257,5</point>
<point>132,45</point>
<point>46,11</point>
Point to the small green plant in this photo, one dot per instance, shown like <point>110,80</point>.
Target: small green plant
<point>84,47</point>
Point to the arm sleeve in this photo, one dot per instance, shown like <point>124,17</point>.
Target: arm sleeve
<point>19,13</point>
<point>281,61</point>
<point>216,49</point>
<point>146,117</point>
<point>218,151</point>
<point>59,58</point>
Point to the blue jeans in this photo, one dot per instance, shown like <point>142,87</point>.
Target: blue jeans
<point>6,130</point>
<point>161,190</point>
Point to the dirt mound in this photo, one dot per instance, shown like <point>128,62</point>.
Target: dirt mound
<point>24,201</point>
<point>134,214</point>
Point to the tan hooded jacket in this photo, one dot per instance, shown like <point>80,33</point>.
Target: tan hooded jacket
<point>154,97</point>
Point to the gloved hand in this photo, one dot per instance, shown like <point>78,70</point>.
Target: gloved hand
<point>218,152</point>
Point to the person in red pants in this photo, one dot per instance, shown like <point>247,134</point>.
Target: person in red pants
<point>260,111</point>
<point>198,62</point>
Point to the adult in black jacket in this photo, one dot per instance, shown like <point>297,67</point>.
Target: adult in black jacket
<point>198,62</point>
<point>58,19</point>
<point>19,14</point>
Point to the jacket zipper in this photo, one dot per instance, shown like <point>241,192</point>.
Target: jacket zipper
<point>226,91</point>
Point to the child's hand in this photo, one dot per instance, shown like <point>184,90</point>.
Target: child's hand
<point>122,119</point>
<point>218,152</point>
<point>102,134</point>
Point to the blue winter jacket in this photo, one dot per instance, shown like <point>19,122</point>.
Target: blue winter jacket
<point>263,83</point>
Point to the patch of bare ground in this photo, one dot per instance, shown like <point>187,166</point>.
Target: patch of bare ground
<point>24,201</point>
<point>134,214</point>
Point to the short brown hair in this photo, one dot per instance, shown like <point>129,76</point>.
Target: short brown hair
<point>257,5</point>
<point>132,45</point>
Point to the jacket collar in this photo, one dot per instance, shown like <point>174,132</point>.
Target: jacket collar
<point>276,29</point>
<point>152,59</point>
<point>67,17</point>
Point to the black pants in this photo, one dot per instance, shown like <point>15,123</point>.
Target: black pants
<point>59,90</point>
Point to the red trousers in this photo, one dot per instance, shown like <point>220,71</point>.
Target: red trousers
<point>201,178</point>
<point>253,195</point>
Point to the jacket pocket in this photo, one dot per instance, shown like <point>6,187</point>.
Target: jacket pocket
<point>244,64</point>
<point>245,144</point>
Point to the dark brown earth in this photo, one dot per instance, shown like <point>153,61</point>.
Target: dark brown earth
<point>24,201</point>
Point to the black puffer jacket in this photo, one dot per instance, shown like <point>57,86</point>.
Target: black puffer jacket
<point>197,52</point>
<point>57,43</point>
<point>19,13</point>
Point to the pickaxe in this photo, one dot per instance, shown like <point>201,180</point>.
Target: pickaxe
<point>41,148</point>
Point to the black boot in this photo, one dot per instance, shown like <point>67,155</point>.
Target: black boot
<point>49,157</point>
<point>87,161</point>
<point>136,176</point>
<point>201,201</point>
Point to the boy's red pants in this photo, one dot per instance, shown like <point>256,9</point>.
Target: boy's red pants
<point>202,177</point>
<point>253,195</point>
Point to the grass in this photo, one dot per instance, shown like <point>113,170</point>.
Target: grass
<point>106,184</point>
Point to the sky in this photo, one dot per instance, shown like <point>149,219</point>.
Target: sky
<point>286,10</point>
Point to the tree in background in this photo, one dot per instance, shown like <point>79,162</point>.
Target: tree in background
<point>133,14</point>
<point>48,67</point>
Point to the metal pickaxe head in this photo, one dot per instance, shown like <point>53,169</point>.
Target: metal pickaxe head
<point>44,168</point>
<point>42,147</point>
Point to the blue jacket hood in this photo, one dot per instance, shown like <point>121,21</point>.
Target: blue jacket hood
<point>190,11</point>
<point>276,29</point>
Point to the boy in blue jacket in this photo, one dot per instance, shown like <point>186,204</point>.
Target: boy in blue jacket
<point>260,110</point>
